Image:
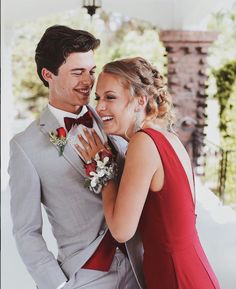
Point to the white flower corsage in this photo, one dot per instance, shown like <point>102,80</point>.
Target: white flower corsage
<point>99,171</point>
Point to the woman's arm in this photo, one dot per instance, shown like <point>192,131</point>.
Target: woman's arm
<point>123,206</point>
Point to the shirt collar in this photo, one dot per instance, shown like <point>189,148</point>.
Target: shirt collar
<point>60,114</point>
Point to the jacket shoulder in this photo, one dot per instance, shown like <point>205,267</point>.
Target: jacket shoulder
<point>120,143</point>
<point>28,133</point>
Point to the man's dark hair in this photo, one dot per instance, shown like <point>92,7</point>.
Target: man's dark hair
<point>57,43</point>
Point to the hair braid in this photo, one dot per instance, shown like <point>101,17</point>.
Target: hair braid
<point>142,78</point>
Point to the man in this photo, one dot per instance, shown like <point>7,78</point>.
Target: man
<point>49,171</point>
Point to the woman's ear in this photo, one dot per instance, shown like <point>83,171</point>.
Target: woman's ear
<point>46,74</point>
<point>141,103</point>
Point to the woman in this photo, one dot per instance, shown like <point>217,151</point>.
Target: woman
<point>156,192</point>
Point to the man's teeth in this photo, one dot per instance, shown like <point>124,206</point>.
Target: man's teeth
<point>105,118</point>
<point>84,90</point>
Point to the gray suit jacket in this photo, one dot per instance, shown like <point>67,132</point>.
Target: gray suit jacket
<point>38,175</point>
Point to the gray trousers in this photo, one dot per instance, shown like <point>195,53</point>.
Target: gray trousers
<point>120,276</point>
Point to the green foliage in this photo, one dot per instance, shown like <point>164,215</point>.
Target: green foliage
<point>225,82</point>
<point>228,126</point>
<point>222,86</point>
<point>224,47</point>
<point>226,96</point>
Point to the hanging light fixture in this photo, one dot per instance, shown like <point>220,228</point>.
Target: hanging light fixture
<point>92,6</point>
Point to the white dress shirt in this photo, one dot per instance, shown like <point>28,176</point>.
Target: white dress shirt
<point>77,129</point>
<point>60,114</point>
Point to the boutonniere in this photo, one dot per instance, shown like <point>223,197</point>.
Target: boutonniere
<point>59,139</point>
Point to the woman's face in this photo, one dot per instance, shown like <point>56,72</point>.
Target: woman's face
<point>114,105</point>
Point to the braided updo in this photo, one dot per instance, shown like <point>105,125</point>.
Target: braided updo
<point>143,79</point>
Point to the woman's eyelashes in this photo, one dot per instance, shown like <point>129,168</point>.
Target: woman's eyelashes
<point>110,97</point>
<point>107,97</point>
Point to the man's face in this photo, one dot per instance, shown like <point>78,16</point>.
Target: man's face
<point>70,89</point>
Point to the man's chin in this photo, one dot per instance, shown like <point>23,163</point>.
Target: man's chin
<point>83,102</point>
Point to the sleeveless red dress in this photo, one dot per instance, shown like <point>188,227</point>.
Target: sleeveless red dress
<point>173,255</point>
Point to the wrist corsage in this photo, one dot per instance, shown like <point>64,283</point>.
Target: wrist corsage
<point>99,171</point>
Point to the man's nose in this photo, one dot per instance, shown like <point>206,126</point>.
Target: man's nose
<point>87,79</point>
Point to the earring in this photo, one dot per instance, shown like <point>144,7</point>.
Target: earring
<point>127,137</point>
<point>138,121</point>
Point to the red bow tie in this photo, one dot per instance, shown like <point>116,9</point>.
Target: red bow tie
<point>85,120</point>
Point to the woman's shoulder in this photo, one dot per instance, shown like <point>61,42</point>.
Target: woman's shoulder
<point>142,143</point>
<point>141,137</point>
<point>142,152</point>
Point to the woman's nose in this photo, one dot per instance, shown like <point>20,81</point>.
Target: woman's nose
<point>100,106</point>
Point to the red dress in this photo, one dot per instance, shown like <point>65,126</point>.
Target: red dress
<point>173,255</point>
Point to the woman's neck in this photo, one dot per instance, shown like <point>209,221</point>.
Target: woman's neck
<point>147,124</point>
<point>153,125</point>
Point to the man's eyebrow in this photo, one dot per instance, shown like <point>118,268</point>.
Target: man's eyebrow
<point>82,69</point>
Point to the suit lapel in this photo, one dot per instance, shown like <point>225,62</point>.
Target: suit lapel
<point>48,123</point>
<point>98,121</point>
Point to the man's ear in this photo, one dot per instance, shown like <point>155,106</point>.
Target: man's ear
<point>46,74</point>
<point>141,103</point>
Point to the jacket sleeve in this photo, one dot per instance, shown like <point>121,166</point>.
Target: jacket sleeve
<point>27,221</point>
<point>121,147</point>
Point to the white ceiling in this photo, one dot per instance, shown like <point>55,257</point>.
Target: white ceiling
<point>166,14</point>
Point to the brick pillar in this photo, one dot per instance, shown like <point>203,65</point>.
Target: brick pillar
<point>187,53</point>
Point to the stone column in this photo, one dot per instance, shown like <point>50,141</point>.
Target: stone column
<point>187,61</point>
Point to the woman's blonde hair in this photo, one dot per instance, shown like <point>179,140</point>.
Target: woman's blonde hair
<point>143,79</point>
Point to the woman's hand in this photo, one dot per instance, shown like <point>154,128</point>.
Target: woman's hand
<point>91,146</point>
